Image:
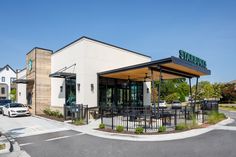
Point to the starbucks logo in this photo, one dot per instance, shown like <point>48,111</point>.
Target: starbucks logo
<point>30,65</point>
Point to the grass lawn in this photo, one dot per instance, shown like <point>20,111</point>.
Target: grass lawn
<point>2,146</point>
<point>228,108</point>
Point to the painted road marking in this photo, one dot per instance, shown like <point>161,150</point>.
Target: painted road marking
<point>25,144</point>
<point>52,139</point>
<point>62,137</point>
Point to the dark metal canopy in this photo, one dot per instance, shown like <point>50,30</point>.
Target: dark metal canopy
<point>171,68</point>
<point>23,81</point>
<point>63,75</point>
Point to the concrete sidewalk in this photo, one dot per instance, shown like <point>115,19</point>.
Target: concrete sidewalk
<point>16,151</point>
<point>90,130</point>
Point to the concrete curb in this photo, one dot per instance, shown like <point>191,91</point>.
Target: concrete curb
<point>90,130</point>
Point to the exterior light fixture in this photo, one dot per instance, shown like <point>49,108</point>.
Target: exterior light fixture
<point>78,86</point>
<point>61,89</point>
<point>92,87</point>
<point>147,90</point>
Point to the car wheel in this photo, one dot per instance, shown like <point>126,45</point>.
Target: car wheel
<point>9,114</point>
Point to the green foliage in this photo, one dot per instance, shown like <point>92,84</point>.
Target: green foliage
<point>139,130</point>
<point>162,129</point>
<point>181,126</point>
<point>215,117</point>
<point>56,113</point>
<point>176,89</point>
<point>119,128</point>
<point>13,95</point>
<point>170,98</point>
<point>78,122</point>
<point>102,126</point>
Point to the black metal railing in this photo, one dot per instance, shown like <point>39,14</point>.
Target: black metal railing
<point>76,112</point>
<point>149,118</point>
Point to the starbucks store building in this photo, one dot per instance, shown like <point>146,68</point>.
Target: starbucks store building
<point>95,73</point>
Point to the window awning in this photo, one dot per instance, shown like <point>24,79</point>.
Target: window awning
<point>171,68</point>
<point>23,81</point>
<point>63,75</point>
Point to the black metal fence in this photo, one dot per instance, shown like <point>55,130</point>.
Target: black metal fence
<point>149,118</point>
<point>76,112</point>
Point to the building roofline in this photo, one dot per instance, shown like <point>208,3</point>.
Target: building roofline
<point>40,49</point>
<point>1,69</point>
<point>84,37</point>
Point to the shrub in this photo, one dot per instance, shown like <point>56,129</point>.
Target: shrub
<point>181,126</point>
<point>162,129</point>
<point>102,126</point>
<point>214,117</point>
<point>78,122</point>
<point>139,130</point>
<point>119,128</point>
<point>47,111</point>
<point>56,113</point>
<point>2,146</point>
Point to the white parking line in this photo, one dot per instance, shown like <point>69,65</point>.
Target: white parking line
<point>25,144</point>
<point>62,137</point>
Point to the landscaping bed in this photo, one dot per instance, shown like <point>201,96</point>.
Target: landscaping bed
<point>51,117</point>
<point>213,118</point>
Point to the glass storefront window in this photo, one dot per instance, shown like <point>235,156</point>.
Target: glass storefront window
<point>113,92</point>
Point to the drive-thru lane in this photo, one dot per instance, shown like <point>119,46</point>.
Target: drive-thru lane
<point>216,143</point>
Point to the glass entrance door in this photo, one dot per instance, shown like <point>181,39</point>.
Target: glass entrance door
<point>70,91</point>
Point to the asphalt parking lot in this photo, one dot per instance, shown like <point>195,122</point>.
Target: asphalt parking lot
<point>217,143</point>
<point>42,138</point>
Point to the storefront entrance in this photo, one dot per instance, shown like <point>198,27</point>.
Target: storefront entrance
<point>119,93</point>
<point>70,95</point>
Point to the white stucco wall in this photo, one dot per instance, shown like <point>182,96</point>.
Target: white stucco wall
<point>8,74</point>
<point>90,58</point>
<point>21,88</point>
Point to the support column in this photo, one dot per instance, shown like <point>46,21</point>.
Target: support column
<point>190,92</point>
<point>159,89</point>
<point>195,94</point>
<point>154,103</point>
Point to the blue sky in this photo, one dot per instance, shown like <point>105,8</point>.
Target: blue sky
<point>205,28</point>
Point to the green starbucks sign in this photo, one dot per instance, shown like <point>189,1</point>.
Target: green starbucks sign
<point>30,65</point>
<point>191,58</point>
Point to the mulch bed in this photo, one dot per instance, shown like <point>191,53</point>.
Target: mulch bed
<point>150,133</point>
<point>51,117</point>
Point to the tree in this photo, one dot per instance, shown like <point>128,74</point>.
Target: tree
<point>228,93</point>
<point>204,90</point>
<point>13,95</point>
<point>217,90</point>
<point>176,89</point>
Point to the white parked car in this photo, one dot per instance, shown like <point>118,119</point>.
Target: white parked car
<point>162,103</point>
<point>176,104</point>
<point>15,109</point>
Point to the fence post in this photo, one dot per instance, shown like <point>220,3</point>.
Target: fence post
<point>203,116</point>
<point>87,114</point>
<point>127,125</point>
<point>65,112</point>
<point>175,117</point>
<point>185,116</point>
<point>145,119</point>
<point>101,115</point>
<point>112,123</point>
